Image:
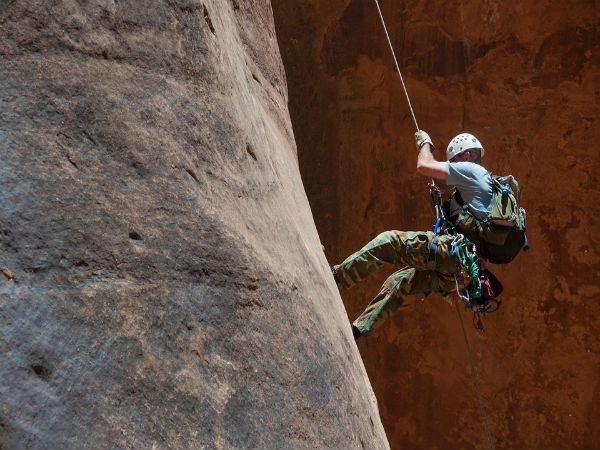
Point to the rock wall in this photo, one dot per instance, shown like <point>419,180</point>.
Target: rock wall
<point>525,79</point>
<point>164,284</point>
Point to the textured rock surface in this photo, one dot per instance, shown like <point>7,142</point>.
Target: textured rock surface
<point>525,78</point>
<point>171,290</point>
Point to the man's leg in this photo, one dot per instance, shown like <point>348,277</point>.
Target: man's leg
<point>400,284</point>
<point>391,296</point>
<point>439,278</point>
<point>391,247</point>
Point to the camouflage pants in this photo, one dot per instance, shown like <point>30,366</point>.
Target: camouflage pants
<point>430,269</point>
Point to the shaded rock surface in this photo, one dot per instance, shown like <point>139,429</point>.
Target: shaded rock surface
<point>525,79</point>
<point>168,288</point>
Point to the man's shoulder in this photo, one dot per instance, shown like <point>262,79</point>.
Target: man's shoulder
<point>466,165</point>
<point>469,168</point>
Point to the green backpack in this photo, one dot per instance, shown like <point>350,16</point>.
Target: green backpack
<point>501,235</point>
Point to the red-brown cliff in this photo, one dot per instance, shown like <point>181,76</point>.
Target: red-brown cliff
<point>523,77</point>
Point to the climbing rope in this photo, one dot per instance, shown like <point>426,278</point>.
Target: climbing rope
<point>465,254</point>
<point>397,66</point>
<point>476,382</point>
<point>412,113</point>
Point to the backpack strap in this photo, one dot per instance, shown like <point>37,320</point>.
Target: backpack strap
<point>478,222</point>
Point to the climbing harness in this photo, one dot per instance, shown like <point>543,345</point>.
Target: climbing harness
<point>461,247</point>
<point>467,264</point>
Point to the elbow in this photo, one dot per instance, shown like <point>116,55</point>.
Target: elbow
<point>432,169</point>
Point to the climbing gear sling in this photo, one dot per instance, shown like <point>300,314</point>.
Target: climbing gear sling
<point>481,294</point>
<point>468,261</point>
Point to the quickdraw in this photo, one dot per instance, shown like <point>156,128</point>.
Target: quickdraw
<point>478,297</point>
<point>436,202</point>
<point>466,260</point>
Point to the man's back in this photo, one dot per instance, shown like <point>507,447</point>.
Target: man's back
<point>474,183</point>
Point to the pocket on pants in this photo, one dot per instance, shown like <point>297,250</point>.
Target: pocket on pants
<point>417,248</point>
<point>445,262</point>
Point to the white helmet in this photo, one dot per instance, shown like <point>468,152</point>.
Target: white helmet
<point>462,143</point>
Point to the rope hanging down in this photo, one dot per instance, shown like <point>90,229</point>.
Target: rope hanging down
<point>432,189</point>
<point>475,380</point>
<point>412,113</point>
<point>397,66</point>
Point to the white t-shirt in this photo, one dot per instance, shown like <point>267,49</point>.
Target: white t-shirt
<point>474,184</point>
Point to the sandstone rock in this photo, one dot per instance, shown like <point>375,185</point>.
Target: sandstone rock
<point>171,290</point>
<point>525,79</point>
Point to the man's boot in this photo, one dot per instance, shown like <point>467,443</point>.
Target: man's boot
<point>356,332</point>
<point>335,277</point>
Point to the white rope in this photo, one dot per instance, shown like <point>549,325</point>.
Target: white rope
<point>475,380</point>
<point>412,113</point>
<point>397,66</point>
<point>473,369</point>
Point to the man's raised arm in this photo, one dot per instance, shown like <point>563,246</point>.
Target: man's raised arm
<point>426,164</point>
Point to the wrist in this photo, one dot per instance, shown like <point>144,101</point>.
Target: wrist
<point>427,147</point>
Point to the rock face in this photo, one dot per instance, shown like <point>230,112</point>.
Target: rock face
<point>525,79</point>
<point>164,283</point>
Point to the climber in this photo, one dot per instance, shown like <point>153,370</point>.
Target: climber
<point>430,260</point>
